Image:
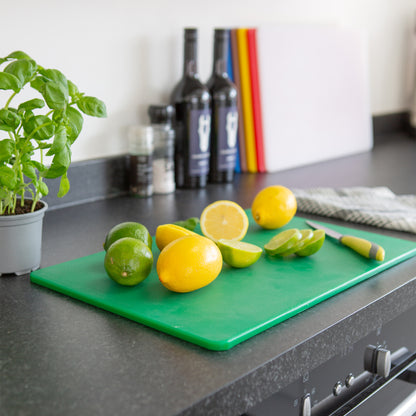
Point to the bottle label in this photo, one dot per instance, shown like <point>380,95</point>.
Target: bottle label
<point>199,141</point>
<point>227,137</point>
<point>141,175</point>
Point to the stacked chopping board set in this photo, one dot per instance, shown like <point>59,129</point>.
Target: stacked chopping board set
<point>240,303</point>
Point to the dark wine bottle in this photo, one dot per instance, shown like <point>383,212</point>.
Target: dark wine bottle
<point>191,100</point>
<point>224,122</point>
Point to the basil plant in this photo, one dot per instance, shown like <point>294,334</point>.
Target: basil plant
<point>46,125</point>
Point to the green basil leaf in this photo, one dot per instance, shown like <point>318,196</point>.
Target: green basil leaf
<point>9,82</point>
<point>74,123</point>
<point>60,163</point>
<point>56,76</point>
<point>63,186</point>
<point>9,118</point>
<point>38,83</point>
<point>56,96</point>
<point>6,149</point>
<point>23,69</point>
<point>8,177</point>
<point>43,188</point>
<point>39,166</point>
<point>31,105</point>
<point>59,141</point>
<point>73,90</point>
<point>40,127</point>
<point>92,106</point>
<point>18,55</point>
<point>30,172</point>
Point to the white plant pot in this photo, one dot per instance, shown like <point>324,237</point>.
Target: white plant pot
<point>21,242</point>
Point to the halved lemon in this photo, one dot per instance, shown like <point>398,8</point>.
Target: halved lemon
<point>224,220</point>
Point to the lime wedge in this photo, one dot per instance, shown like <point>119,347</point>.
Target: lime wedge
<point>283,241</point>
<point>306,237</point>
<point>238,253</point>
<point>313,245</point>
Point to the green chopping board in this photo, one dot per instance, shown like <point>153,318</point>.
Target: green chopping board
<point>240,303</point>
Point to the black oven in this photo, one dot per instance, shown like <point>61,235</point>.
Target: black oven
<point>375,376</point>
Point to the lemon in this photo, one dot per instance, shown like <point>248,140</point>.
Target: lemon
<point>283,241</point>
<point>238,253</point>
<point>128,261</point>
<point>128,229</point>
<point>313,245</point>
<point>224,220</point>
<point>189,263</point>
<point>167,233</point>
<point>273,207</point>
<point>306,237</point>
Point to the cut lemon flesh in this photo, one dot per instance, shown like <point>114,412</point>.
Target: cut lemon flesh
<point>224,220</point>
<point>239,254</point>
<point>283,241</point>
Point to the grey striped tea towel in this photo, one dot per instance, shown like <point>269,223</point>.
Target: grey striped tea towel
<point>377,206</point>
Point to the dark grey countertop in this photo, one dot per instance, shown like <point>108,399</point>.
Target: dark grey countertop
<point>62,356</point>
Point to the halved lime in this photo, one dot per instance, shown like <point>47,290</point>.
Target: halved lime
<point>238,253</point>
<point>283,241</point>
<point>306,237</point>
<point>313,245</point>
<point>128,261</point>
<point>128,229</point>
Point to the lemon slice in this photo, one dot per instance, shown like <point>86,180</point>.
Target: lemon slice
<point>224,220</point>
<point>283,241</point>
<point>313,245</point>
<point>306,237</point>
<point>238,253</point>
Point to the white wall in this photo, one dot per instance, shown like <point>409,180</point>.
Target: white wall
<point>129,52</point>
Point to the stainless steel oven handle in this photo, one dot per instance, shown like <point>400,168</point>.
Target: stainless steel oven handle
<point>406,408</point>
<point>366,385</point>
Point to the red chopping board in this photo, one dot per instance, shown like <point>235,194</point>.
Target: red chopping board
<point>240,303</point>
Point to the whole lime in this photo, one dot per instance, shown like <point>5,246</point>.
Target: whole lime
<point>128,229</point>
<point>128,261</point>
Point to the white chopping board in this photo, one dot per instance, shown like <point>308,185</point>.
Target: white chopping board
<point>314,92</point>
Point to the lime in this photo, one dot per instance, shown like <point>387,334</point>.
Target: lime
<point>313,245</point>
<point>128,229</point>
<point>238,253</point>
<point>128,261</point>
<point>306,237</point>
<point>283,241</point>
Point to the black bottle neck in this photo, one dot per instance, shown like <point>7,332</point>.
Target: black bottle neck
<point>190,62</point>
<point>220,53</point>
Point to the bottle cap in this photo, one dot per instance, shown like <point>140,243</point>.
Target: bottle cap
<point>221,34</point>
<point>191,33</point>
<point>161,114</point>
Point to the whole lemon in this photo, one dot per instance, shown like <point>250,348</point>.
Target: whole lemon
<point>273,207</point>
<point>189,263</point>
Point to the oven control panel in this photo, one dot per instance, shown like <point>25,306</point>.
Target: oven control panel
<point>368,377</point>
